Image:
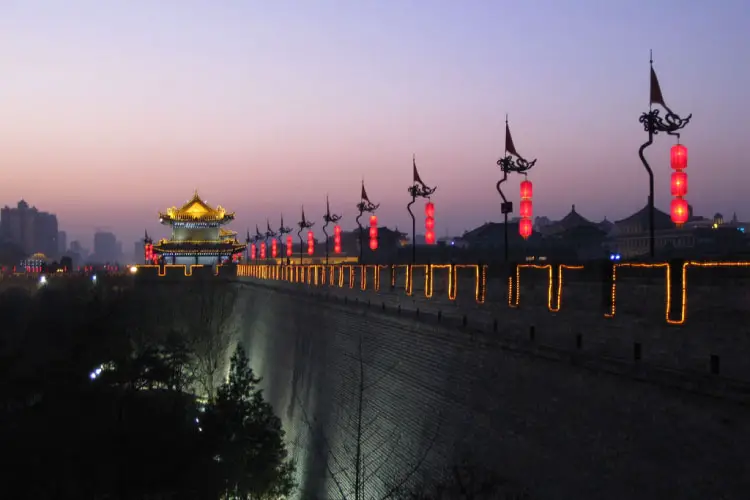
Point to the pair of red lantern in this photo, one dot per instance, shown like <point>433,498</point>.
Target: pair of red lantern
<point>253,252</point>
<point>289,247</point>
<point>429,223</point>
<point>337,239</point>
<point>373,232</point>
<point>263,250</point>
<point>679,210</point>
<point>525,226</point>
<point>148,250</point>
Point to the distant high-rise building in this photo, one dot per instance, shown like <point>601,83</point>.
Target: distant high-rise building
<point>105,247</point>
<point>138,252</point>
<point>32,230</point>
<point>62,242</point>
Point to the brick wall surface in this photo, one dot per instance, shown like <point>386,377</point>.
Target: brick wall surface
<point>564,413</point>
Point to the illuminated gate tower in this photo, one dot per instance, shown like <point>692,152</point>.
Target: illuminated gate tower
<point>197,235</point>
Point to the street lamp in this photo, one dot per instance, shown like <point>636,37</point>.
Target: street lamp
<point>365,205</point>
<point>653,124</point>
<point>270,234</point>
<point>511,162</point>
<point>148,249</point>
<point>303,224</point>
<point>248,242</point>
<point>421,190</point>
<point>329,218</point>
<point>282,231</point>
<point>257,239</point>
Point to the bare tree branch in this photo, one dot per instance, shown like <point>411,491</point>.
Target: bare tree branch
<point>309,425</point>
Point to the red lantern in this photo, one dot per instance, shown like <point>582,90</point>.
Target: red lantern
<point>337,239</point>
<point>373,232</point>
<point>310,243</point>
<point>289,246</point>
<point>526,208</point>
<point>429,210</point>
<point>429,223</point>
<point>679,157</point>
<point>679,211</point>
<point>274,248</point>
<point>525,228</point>
<point>263,250</point>
<point>679,183</point>
<point>252,251</point>
<point>527,190</point>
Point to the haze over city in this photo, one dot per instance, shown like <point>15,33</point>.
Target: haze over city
<point>112,111</point>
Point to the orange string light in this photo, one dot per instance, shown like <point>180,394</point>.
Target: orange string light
<point>318,274</point>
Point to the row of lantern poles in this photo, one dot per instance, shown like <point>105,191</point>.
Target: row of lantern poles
<point>511,162</point>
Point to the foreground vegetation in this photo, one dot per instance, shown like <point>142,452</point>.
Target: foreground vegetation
<point>120,395</point>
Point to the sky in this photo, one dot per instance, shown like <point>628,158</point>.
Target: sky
<point>113,110</point>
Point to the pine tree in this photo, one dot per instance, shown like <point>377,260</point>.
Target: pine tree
<point>247,437</point>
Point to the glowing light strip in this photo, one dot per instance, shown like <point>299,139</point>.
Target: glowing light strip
<point>316,274</point>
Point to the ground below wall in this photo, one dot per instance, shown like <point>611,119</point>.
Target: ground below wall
<point>551,427</point>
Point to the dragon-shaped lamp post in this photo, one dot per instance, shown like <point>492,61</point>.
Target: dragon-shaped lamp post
<point>282,231</point>
<point>418,189</point>
<point>511,162</point>
<point>365,205</point>
<point>303,224</point>
<point>257,239</point>
<point>248,241</point>
<point>146,242</point>
<point>329,218</point>
<point>269,234</point>
<point>671,123</point>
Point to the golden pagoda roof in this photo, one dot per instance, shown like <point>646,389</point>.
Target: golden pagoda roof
<point>196,209</point>
<point>226,233</point>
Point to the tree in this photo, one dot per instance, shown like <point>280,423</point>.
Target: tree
<point>465,481</point>
<point>210,331</point>
<point>355,469</point>
<point>247,438</point>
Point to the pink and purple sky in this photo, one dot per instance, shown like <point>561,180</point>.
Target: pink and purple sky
<point>113,110</point>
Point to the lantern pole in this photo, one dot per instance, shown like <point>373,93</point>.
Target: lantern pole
<point>269,234</point>
<point>511,162</point>
<point>328,217</point>
<point>653,124</point>
<point>146,241</point>
<point>257,239</point>
<point>247,245</point>
<point>282,231</point>
<point>365,205</point>
<point>418,189</point>
<point>303,224</point>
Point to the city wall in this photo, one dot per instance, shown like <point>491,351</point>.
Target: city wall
<point>549,394</point>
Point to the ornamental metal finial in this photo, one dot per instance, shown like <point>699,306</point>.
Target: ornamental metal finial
<point>329,218</point>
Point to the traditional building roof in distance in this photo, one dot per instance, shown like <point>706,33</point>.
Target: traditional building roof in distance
<point>571,221</point>
<point>639,221</point>
<point>196,210</point>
